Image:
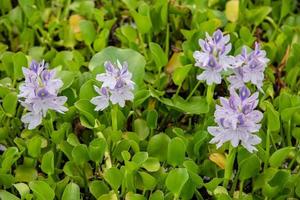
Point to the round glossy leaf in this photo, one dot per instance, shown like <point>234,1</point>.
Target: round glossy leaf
<point>141,128</point>
<point>114,177</point>
<point>47,165</point>
<point>249,167</point>
<point>98,188</point>
<point>72,192</point>
<point>158,146</point>
<point>42,190</point>
<point>279,156</point>
<point>152,164</point>
<point>80,154</point>
<point>97,149</point>
<point>176,151</point>
<point>176,180</point>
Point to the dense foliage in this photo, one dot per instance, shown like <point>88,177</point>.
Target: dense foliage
<point>136,93</point>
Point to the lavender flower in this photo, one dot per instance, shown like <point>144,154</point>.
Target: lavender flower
<point>39,93</point>
<point>237,120</point>
<point>213,57</point>
<point>116,86</point>
<point>250,68</point>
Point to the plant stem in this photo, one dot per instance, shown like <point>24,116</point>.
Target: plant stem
<point>288,136</point>
<point>210,93</point>
<point>241,189</point>
<point>167,40</point>
<point>267,150</point>
<point>229,165</point>
<point>194,89</point>
<point>114,117</point>
<point>233,187</point>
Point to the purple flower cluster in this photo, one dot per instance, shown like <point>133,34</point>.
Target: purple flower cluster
<point>38,93</point>
<point>213,57</point>
<point>237,120</point>
<point>250,68</point>
<point>116,86</point>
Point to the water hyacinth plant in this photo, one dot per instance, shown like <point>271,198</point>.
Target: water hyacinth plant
<point>116,86</point>
<point>213,57</point>
<point>158,100</point>
<point>250,67</point>
<point>39,93</point>
<point>237,120</point>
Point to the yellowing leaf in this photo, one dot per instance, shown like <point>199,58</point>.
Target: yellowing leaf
<point>219,159</point>
<point>74,21</point>
<point>232,10</point>
<point>174,62</point>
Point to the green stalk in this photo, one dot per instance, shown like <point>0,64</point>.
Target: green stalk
<point>267,150</point>
<point>241,189</point>
<point>229,165</point>
<point>288,136</point>
<point>114,117</point>
<point>210,94</point>
<point>194,89</point>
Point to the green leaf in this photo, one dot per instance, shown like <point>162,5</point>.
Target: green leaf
<point>86,109</point>
<point>176,180</point>
<point>142,18</point>
<point>80,154</point>
<point>249,167</point>
<point>101,41</point>
<point>87,90</point>
<point>47,165</point>
<point>88,31</point>
<point>272,116</point>
<point>141,128</point>
<point>151,164</point>
<point>23,189</point>
<point>158,146</point>
<point>257,15</point>
<point>158,55</point>
<point>114,177</point>
<point>25,174</point>
<point>10,102</point>
<point>149,182</point>
<point>98,188</point>
<point>180,74</point>
<point>42,190</point>
<point>132,196</point>
<point>286,7</point>
<point>136,62</point>
<point>67,77</point>
<point>140,157</point>
<point>152,117</point>
<point>279,156</point>
<point>96,149</point>
<point>176,151</point>
<point>131,4</point>
<point>7,196</point>
<point>110,196</point>
<point>280,178</point>
<point>140,96</point>
<point>72,192</point>
<point>157,195</point>
<point>34,146</point>
<point>20,61</point>
<point>7,180</point>
<point>196,105</point>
